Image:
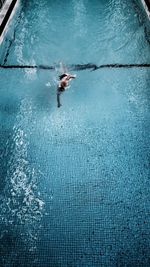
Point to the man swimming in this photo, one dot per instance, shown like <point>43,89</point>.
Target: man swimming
<point>63,83</point>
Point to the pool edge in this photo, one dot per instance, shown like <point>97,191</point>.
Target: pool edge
<point>146,6</point>
<point>6,14</point>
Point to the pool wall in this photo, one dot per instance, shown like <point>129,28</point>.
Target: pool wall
<point>6,14</point>
<point>8,36</point>
<point>146,5</point>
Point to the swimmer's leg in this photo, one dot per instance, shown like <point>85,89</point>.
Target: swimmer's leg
<point>58,100</point>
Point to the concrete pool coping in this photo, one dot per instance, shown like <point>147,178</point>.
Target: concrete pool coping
<point>6,13</point>
<point>146,5</point>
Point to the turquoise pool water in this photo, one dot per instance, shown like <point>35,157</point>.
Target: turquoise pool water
<point>75,181</point>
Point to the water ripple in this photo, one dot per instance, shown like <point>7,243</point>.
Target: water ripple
<point>22,203</point>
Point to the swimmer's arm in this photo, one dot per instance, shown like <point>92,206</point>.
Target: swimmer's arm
<point>71,76</point>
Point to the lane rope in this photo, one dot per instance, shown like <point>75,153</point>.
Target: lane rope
<point>77,67</point>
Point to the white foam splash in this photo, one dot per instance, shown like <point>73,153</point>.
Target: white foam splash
<point>48,84</point>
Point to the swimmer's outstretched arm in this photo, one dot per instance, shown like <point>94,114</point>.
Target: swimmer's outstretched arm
<point>69,76</point>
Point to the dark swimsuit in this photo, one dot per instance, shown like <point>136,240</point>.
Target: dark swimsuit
<point>60,89</point>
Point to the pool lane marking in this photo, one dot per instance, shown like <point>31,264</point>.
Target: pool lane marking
<point>77,67</point>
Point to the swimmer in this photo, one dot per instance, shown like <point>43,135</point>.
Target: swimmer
<point>63,83</point>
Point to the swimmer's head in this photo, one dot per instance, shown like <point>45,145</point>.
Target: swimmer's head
<point>62,76</point>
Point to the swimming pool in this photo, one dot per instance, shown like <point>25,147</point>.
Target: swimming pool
<point>75,180</point>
